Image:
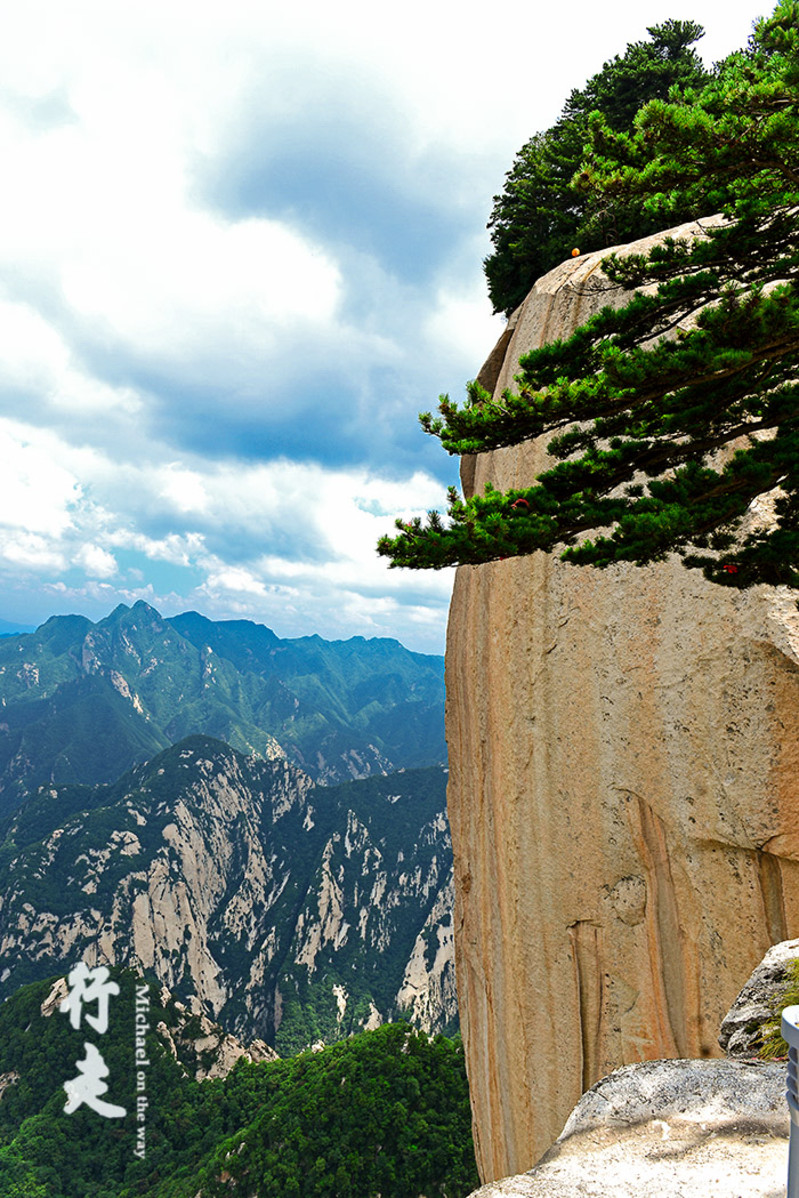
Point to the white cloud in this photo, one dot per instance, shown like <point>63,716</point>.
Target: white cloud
<point>30,551</point>
<point>282,543</point>
<point>191,284</point>
<point>37,494</point>
<point>461,324</point>
<point>36,363</point>
<point>184,490</point>
<point>96,561</point>
<point>233,580</point>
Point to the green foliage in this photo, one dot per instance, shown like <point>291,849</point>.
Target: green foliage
<point>638,427</point>
<point>84,1155</point>
<point>772,1045</point>
<point>385,1112</point>
<point>540,215</point>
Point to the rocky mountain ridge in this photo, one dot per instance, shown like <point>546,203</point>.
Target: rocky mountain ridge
<point>284,910</point>
<point>201,1048</point>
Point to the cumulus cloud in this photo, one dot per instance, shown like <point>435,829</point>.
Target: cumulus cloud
<point>96,561</point>
<point>36,492</point>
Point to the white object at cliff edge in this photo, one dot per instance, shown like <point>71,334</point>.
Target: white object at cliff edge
<point>790,1033</point>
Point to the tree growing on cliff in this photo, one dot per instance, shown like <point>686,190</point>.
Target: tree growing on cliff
<point>540,215</point>
<point>662,447</point>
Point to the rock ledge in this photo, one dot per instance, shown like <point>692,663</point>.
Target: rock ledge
<point>687,1129</point>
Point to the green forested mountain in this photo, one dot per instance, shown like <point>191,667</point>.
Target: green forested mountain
<point>384,1113</point>
<point>294,912</point>
<point>82,702</point>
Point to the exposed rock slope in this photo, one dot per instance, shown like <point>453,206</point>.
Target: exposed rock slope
<point>201,1047</point>
<point>624,799</point>
<point>287,911</point>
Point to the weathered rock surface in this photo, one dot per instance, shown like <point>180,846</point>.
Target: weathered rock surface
<point>689,1128</point>
<point>741,1028</point>
<point>274,908</point>
<point>211,1050</point>
<point>623,799</point>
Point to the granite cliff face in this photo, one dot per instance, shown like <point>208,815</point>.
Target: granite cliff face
<point>623,798</point>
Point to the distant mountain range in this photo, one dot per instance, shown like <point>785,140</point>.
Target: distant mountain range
<point>81,702</point>
<point>293,912</point>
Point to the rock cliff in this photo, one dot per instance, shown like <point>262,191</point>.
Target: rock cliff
<point>623,798</point>
<point>694,1128</point>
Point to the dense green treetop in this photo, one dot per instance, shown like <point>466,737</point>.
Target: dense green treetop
<point>638,426</point>
<point>540,215</point>
<point>385,1113</point>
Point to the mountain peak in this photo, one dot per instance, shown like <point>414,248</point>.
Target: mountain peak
<point>119,611</point>
<point>122,614</point>
<point>192,622</point>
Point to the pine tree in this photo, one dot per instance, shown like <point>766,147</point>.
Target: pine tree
<point>661,448</point>
<point>540,215</point>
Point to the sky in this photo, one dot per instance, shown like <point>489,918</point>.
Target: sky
<point>241,249</point>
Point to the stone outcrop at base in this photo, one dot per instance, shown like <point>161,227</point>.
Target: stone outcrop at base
<point>741,1034</point>
<point>700,1129</point>
<point>693,1128</point>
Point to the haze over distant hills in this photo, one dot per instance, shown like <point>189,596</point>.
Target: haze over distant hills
<point>80,702</point>
<point>12,628</point>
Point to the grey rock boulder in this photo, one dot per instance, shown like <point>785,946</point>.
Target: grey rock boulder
<point>757,1002</point>
<point>668,1129</point>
